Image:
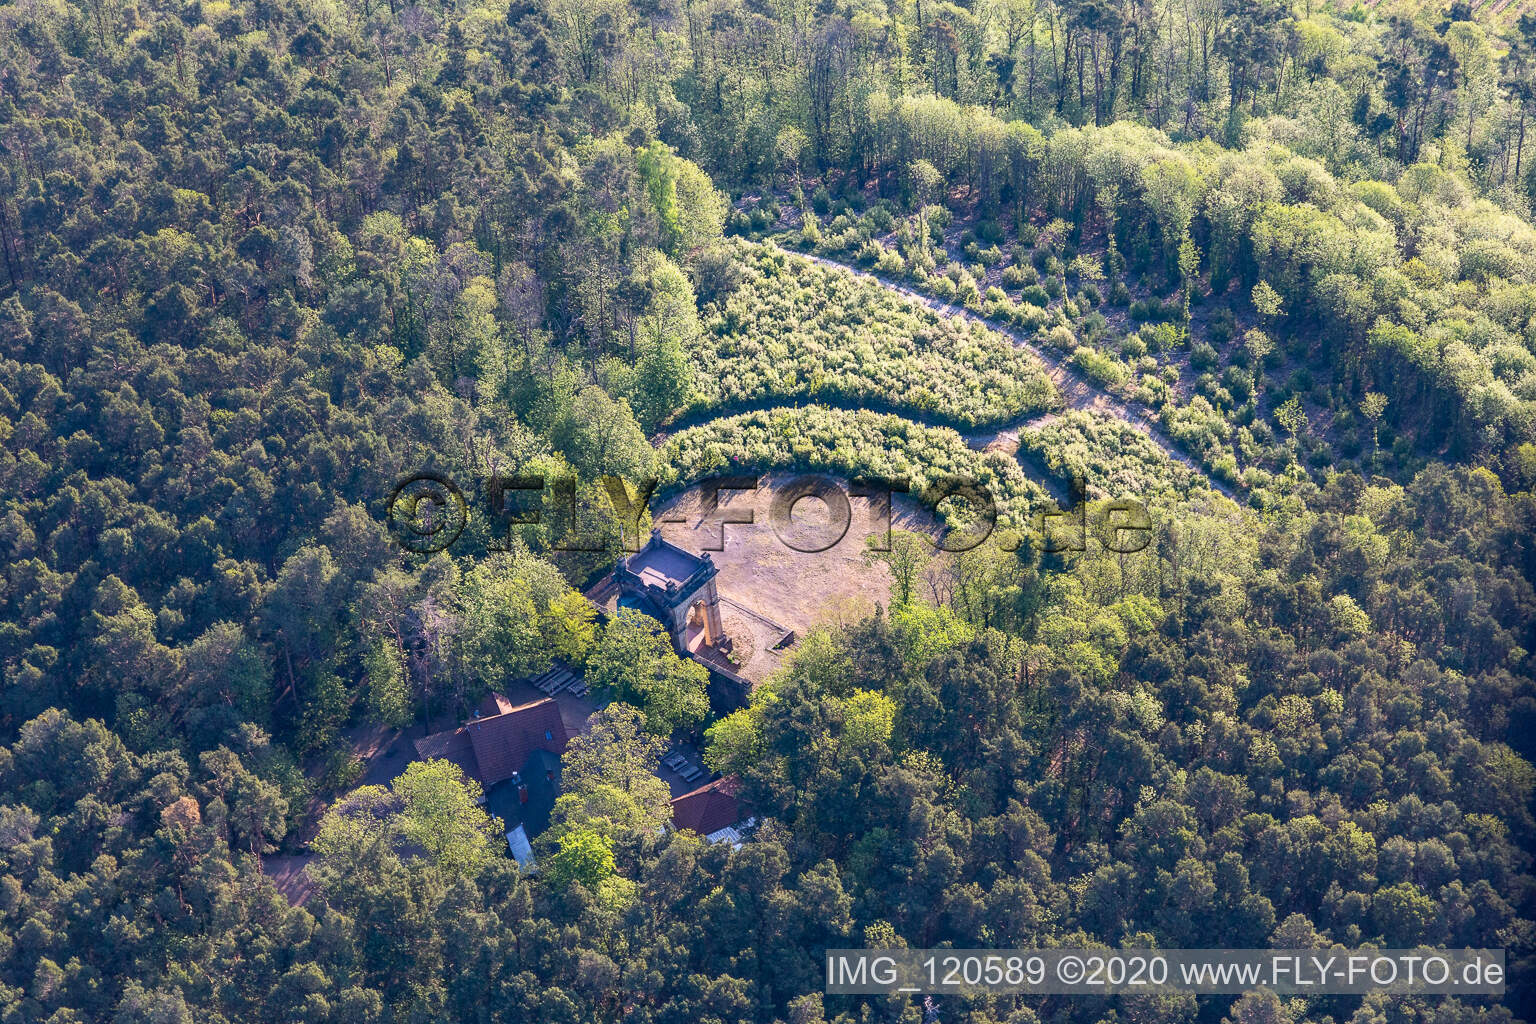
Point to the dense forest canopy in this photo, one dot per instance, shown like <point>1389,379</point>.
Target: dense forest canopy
<point>265,258</point>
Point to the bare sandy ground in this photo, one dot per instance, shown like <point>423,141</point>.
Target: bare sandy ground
<point>762,571</point>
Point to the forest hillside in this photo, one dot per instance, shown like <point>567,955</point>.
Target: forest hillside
<point>1267,268</point>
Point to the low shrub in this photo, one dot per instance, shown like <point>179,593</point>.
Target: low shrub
<point>1203,357</point>
<point>1111,457</point>
<point>1018,275</point>
<point>1098,366</point>
<point>848,444</point>
<point>793,328</point>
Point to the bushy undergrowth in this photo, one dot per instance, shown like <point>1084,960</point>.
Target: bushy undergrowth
<point>848,444</point>
<point>795,329</point>
<point>1113,458</point>
<point>1421,290</point>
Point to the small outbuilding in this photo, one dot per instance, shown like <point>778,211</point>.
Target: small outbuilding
<point>712,810</point>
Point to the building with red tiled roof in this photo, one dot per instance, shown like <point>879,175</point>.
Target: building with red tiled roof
<point>709,808</point>
<point>452,745</point>
<point>491,748</point>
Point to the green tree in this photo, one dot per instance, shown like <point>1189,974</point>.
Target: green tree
<point>441,814</point>
<point>1267,303</point>
<point>1372,406</point>
<point>228,680</point>
<point>735,742</point>
<point>1259,346</point>
<point>600,436</point>
<point>667,331</point>
<point>1189,268</point>
<point>389,691</point>
<point>609,780</point>
<point>255,809</point>
<point>1292,418</point>
<point>615,749</point>
<point>516,615</point>
<point>906,558</point>
<point>634,660</point>
<point>586,857</point>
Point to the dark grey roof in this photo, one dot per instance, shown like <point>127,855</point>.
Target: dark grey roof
<point>541,775</point>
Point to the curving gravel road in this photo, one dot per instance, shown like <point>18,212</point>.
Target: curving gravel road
<point>1078,390</point>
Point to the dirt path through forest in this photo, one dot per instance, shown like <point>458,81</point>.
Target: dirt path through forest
<point>1079,392</point>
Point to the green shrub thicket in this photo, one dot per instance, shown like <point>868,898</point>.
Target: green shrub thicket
<point>794,329</point>
<point>849,444</point>
<point>1112,457</point>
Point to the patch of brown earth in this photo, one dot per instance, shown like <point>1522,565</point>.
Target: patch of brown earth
<point>766,569</point>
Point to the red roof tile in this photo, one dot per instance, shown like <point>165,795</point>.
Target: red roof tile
<point>709,808</point>
<point>452,745</point>
<point>492,748</point>
<point>503,743</point>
